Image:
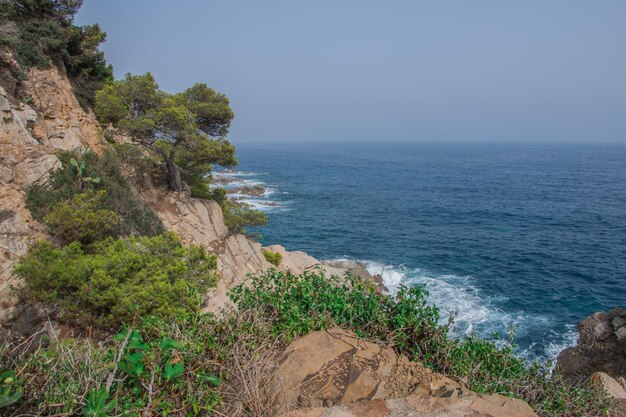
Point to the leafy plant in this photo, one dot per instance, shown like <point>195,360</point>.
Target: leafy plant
<point>97,404</point>
<point>152,367</point>
<point>274,258</point>
<point>135,218</point>
<point>238,218</point>
<point>10,391</point>
<point>81,171</point>
<point>104,284</point>
<point>82,219</point>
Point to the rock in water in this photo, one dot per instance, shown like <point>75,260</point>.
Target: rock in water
<point>601,347</point>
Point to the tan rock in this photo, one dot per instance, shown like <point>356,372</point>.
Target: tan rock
<point>420,406</point>
<point>332,367</point>
<point>609,384</point>
<point>62,123</point>
<point>335,374</point>
<point>29,138</point>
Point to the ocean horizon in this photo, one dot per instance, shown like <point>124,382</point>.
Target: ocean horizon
<point>522,238</point>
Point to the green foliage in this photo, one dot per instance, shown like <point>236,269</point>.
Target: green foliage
<point>10,392</point>
<point>238,217</point>
<point>187,130</point>
<point>82,219</point>
<point>297,305</point>
<point>41,32</point>
<point>201,189</point>
<point>163,368</point>
<point>97,404</point>
<point>63,185</point>
<point>272,257</point>
<point>313,301</point>
<point>81,173</point>
<point>194,364</point>
<point>105,283</point>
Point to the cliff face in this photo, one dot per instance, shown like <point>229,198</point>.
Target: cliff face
<point>30,134</point>
<point>201,222</point>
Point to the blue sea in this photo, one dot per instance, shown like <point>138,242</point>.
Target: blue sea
<point>523,237</point>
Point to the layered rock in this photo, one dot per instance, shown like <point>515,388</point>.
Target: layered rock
<point>30,135</point>
<point>601,346</point>
<point>334,373</point>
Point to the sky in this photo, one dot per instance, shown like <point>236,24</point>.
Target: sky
<point>360,70</point>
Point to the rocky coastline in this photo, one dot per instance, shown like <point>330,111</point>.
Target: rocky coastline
<point>335,372</point>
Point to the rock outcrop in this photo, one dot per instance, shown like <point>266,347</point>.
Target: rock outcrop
<point>30,135</point>
<point>334,373</point>
<point>601,347</point>
<point>201,222</point>
<point>615,388</point>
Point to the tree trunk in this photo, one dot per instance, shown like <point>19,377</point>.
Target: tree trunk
<point>173,174</point>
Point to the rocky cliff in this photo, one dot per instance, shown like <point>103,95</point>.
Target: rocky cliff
<point>31,132</point>
<point>51,119</point>
<point>601,346</point>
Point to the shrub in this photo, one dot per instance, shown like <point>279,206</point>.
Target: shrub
<point>82,219</point>
<point>105,285</point>
<point>238,217</point>
<point>272,257</point>
<point>42,33</point>
<point>297,305</point>
<point>135,217</point>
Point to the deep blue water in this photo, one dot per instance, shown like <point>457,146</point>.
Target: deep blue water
<point>531,236</point>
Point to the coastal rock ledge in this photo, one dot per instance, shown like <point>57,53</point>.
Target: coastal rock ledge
<point>601,347</point>
<point>334,373</point>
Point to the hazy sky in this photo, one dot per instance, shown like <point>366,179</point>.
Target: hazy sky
<point>386,70</point>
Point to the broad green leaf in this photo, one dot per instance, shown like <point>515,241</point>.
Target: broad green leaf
<point>173,371</point>
<point>96,404</point>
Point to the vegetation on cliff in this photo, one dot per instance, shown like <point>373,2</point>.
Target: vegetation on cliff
<point>187,130</point>
<point>110,267</point>
<point>62,193</point>
<point>103,284</point>
<point>194,364</point>
<point>41,33</point>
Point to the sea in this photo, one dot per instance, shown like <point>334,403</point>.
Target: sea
<point>525,239</point>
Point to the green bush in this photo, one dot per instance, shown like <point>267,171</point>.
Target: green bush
<point>297,305</point>
<point>82,219</point>
<point>106,284</point>
<point>238,217</point>
<point>41,33</point>
<point>64,184</point>
<point>274,258</point>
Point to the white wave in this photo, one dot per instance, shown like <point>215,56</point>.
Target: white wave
<point>228,173</point>
<point>474,311</point>
<point>567,339</point>
<point>392,276</point>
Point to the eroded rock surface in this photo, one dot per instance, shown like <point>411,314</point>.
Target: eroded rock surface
<point>601,346</point>
<point>30,135</point>
<point>201,222</point>
<point>334,373</point>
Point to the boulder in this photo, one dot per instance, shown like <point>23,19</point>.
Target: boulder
<point>601,347</point>
<point>334,373</point>
<point>609,385</point>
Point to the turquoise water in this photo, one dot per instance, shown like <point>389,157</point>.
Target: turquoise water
<point>530,236</point>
